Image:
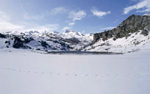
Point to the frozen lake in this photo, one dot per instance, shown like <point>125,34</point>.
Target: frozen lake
<point>83,53</point>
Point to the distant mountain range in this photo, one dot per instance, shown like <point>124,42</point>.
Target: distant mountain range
<point>46,41</point>
<point>131,35</point>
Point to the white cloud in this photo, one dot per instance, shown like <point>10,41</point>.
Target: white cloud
<point>99,13</point>
<point>35,17</point>
<point>7,26</point>
<point>116,21</point>
<point>3,16</point>
<point>107,28</point>
<point>44,14</point>
<point>71,24</point>
<point>143,4</point>
<point>58,10</point>
<point>65,28</point>
<point>47,27</point>
<point>77,15</point>
<point>83,31</point>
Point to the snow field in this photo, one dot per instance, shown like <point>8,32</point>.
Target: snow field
<point>28,72</point>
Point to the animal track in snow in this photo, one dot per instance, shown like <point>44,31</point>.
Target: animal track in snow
<point>68,74</point>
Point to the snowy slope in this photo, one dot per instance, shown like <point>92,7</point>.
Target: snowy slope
<point>2,43</point>
<point>136,41</point>
<point>26,72</point>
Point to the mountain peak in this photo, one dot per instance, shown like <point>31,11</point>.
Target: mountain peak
<point>66,31</point>
<point>69,31</point>
<point>72,33</point>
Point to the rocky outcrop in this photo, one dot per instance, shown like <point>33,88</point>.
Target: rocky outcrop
<point>130,25</point>
<point>2,36</point>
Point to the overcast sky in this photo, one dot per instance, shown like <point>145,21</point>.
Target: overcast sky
<point>57,15</point>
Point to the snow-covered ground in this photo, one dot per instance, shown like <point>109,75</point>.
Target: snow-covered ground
<point>26,72</point>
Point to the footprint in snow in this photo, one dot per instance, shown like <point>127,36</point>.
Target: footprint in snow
<point>75,74</point>
<point>86,75</point>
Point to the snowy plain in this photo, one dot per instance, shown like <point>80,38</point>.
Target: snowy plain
<point>26,72</point>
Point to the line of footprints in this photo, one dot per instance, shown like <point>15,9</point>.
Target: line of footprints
<point>96,75</point>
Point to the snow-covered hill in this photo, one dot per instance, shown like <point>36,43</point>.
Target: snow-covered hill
<point>69,40</point>
<point>131,35</point>
<point>136,41</point>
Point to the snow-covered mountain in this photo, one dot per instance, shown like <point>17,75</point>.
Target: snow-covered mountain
<point>69,40</point>
<point>131,35</point>
<point>79,35</point>
<point>136,41</point>
<point>72,33</point>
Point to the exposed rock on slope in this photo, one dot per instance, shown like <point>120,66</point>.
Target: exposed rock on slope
<point>130,25</point>
<point>131,35</point>
<point>136,41</point>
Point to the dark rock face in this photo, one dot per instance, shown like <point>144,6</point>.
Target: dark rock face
<point>44,44</point>
<point>130,25</point>
<point>2,36</point>
<point>72,40</point>
<point>145,32</point>
<point>18,43</point>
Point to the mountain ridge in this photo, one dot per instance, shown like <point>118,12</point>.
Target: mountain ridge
<point>132,24</point>
<point>131,35</point>
<point>45,40</point>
